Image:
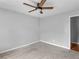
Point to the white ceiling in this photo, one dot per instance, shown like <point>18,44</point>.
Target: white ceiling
<point>60,6</point>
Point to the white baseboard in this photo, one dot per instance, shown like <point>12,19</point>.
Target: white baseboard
<point>19,47</point>
<point>31,44</point>
<point>75,42</point>
<point>55,44</point>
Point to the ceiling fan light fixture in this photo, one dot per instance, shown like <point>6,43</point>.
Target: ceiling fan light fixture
<point>41,12</point>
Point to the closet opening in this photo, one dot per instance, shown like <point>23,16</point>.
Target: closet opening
<point>74,24</point>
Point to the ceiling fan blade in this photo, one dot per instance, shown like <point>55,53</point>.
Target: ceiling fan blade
<point>42,3</point>
<point>33,10</point>
<point>47,7</point>
<point>29,5</point>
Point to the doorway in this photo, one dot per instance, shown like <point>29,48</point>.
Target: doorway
<point>75,33</point>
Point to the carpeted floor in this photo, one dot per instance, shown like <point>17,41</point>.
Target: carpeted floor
<point>40,51</point>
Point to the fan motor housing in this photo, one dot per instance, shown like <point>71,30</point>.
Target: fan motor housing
<point>38,6</point>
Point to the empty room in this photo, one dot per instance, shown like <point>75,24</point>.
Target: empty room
<point>39,29</point>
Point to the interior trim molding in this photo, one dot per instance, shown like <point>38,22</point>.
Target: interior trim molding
<point>55,44</point>
<point>31,44</point>
<point>21,46</point>
<point>75,42</point>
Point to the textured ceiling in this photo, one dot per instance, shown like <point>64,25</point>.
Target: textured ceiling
<point>60,6</point>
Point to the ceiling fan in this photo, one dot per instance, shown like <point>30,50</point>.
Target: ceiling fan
<point>39,6</point>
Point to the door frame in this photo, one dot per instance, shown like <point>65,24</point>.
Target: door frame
<point>70,28</point>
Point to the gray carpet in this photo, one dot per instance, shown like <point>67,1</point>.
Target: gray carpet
<point>40,51</point>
